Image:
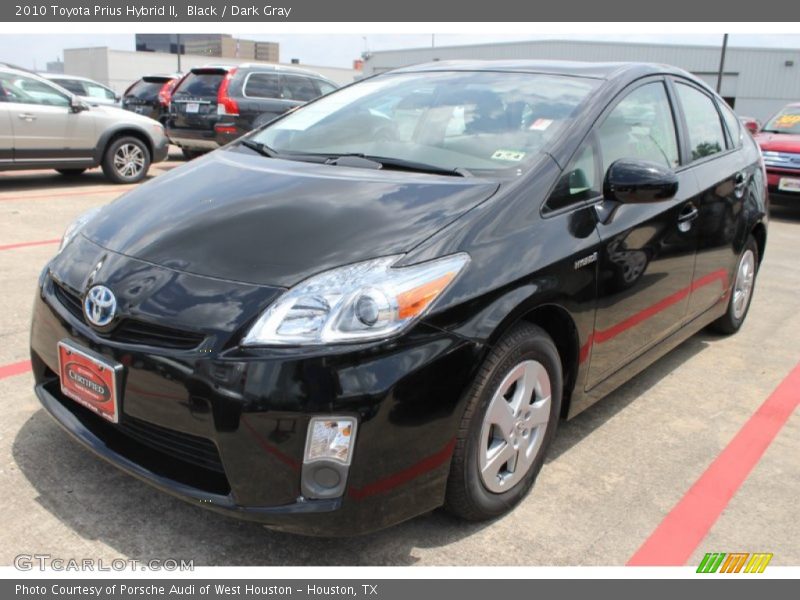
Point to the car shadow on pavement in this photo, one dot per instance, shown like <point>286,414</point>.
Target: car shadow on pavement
<point>573,431</point>
<point>98,502</point>
<point>786,212</point>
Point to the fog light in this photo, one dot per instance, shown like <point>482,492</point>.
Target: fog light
<point>330,438</point>
<point>329,452</point>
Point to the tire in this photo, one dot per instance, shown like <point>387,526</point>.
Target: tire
<point>741,292</point>
<point>529,353</point>
<point>190,154</point>
<point>71,172</point>
<point>126,160</point>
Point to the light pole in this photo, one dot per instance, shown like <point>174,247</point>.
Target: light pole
<point>722,62</point>
<point>178,40</point>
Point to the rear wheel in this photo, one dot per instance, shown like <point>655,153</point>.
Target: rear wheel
<point>742,291</point>
<point>510,419</point>
<point>126,160</point>
<point>71,172</point>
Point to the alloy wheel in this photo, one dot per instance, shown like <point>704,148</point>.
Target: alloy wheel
<point>129,160</point>
<point>514,426</point>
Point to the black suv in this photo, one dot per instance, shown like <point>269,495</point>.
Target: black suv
<point>214,105</point>
<point>150,95</point>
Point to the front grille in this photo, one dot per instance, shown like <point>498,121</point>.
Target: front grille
<point>786,160</point>
<point>186,447</point>
<point>132,331</point>
<point>181,457</point>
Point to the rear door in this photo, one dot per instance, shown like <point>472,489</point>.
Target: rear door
<point>718,165</point>
<point>194,101</point>
<point>44,126</point>
<point>647,253</point>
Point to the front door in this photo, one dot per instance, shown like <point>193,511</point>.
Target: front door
<point>44,126</point>
<point>648,250</point>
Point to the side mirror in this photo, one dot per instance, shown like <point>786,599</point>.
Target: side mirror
<point>752,127</point>
<point>639,181</point>
<point>77,105</point>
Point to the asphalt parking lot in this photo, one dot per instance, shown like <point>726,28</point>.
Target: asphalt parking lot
<point>613,475</point>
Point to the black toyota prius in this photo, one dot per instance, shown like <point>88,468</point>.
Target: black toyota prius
<point>385,301</point>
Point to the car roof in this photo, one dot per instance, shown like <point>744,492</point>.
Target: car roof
<point>263,67</point>
<point>65,76</point>
<point>594,70</point>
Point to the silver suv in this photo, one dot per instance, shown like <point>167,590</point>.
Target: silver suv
<point>43,125</point>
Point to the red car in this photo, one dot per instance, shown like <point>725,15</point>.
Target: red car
<point>780,145</point>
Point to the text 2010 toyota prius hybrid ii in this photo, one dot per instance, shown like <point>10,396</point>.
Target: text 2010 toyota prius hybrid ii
<point>383,302</point>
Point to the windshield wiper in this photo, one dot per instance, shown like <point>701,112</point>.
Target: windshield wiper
<point>388,162</point>
<point>261,148</point>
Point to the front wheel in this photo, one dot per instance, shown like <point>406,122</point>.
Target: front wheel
<point>742,291</point>
<point>126,160</point>
<point>510,419</point>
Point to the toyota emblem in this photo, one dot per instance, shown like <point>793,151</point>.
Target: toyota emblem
<point>100,306</point>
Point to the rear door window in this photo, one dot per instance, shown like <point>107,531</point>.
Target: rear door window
<point>296,87</point>
<point>263,85</point>
<point>200,85</point>
<point>706,136</point>
<point>72,85</point>
<point>325,87</point>
<point>98,91</point>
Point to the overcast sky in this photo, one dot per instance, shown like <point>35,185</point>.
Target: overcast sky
<point>33,51</point>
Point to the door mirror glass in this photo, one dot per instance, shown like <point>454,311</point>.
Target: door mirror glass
<point>639,181</point>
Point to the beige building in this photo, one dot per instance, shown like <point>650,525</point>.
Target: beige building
<point>217,45</point>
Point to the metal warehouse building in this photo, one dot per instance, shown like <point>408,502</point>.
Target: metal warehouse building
<point>756,81</point>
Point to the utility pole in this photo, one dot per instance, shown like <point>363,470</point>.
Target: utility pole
<point>178,38</point>
<point>722,62</point>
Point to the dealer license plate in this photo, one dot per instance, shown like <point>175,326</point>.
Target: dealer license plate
<point>89,379</point>
<point>789,184</point>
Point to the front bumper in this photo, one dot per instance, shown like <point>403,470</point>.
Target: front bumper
<point>246,415</point>
<point>160,148</point>
<point>773,181</point>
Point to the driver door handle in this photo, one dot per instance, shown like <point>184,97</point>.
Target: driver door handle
<point>27,116</point>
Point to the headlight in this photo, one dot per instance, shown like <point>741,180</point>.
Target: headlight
<point>364,301</point>
<point>78,224</point>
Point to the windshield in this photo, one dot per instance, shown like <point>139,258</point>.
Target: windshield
<point>478,121</point>
<point>786,121</point>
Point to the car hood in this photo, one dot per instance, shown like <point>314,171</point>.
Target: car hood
<point>779,142</point>
<point>117,113</point>
<point>239,216</point>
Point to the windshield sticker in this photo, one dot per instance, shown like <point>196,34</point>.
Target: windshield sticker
<point>540,124</point>
<point>510,155</point>
<point>787,121</point>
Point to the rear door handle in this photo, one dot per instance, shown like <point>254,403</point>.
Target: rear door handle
<point>740,181</point>
<point>688,214</point>
<point>27,116</point>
